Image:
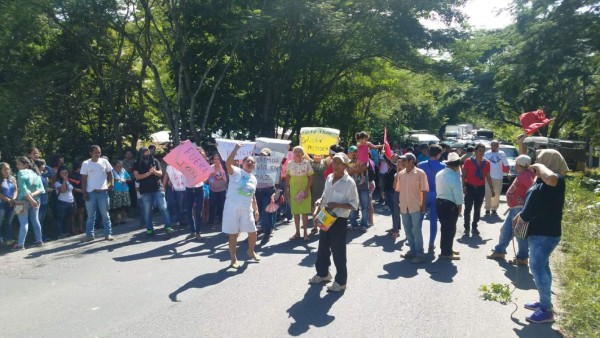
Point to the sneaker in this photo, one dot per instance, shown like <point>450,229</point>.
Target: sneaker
<point>363,229</point>
<point>38,244</point>
<point>519,262</point>
<point>408,255</point>
<point>494,212</point>
<point>541,316</point>
<point>495,255</point>
<point>109,238</point>
<point>452,257</point>
<point>169,230</point>
<point>190,236</point>
<point>17,247</point>
<point>418,260</point>
<point>532,305</point>
<point>475,231</point>
<point>335,287</point>
<point>370,225</point>
<point>431,248</point>
<point>316,279</point>
<point>149,233</point>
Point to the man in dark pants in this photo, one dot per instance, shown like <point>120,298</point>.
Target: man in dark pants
<point>339,198</point>
<point>476,172</point>
<point>449,204</point>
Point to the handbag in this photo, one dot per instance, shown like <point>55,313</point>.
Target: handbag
<point>519,227</point>
<point>20,208</point>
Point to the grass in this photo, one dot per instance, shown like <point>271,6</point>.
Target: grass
<point>579,267</point>
<point>496,292</point>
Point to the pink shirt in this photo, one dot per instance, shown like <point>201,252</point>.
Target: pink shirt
<point>362,154</point>
<point>410,185</point>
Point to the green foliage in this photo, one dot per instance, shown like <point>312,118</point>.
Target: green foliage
<point>496,292</point>
<point>580,269</point>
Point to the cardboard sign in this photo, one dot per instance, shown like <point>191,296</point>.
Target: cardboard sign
<point>268,169</point>
<point>317,140</point>
<point>186,158</point>
<point>276,145</point>
<point>225,148</point>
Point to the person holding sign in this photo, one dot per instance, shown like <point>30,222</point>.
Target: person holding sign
<point>299,178</point>
<point>240,209</point>
<point>340,197</point>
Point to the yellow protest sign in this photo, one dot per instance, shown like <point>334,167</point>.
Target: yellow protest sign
<point>317,140</point>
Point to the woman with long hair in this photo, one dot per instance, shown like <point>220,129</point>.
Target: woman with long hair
<point>65,204</point>
<point>8,195</point>
<point>30,188</point>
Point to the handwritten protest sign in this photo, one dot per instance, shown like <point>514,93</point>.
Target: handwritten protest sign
<point>268,168</point>
<point>276,145</point>
<point>317,140</point>
<point>186,158</point>
<point>225,148</point>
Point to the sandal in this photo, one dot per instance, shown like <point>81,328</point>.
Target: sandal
<point>235,265</point>
<point>295,237</point>
<point>307,238</point>
<point>256,257</point>
<point>314,231</point>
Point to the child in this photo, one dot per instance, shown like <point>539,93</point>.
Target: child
<point>363,145</point>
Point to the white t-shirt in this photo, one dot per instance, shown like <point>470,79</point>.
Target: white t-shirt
<point>96,174</point>
<point>241,189</point>
<point>177,178</point>
<point>66,196</point>
<point>496,159</point>
<point>383,165</point>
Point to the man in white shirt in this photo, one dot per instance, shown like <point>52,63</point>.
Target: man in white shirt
<point>96,180</point>
<point>339,197</point>
<point>497,160</point>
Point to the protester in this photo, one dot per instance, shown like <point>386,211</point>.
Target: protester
<point>446,151</point>
<point>423,153</point>
<point>27,206</point>
<point>359,175</point>
<point>449,202</point>
<point>148,172</point>
<point>8,196</point>
<point>119,196</point>
<point>174,183</point>
<point>498,161</point>
<point>265,194</point>
<point>46,174</point>
<point>476,172</point>
<point>339,197</point>
<point>128,163</point>
<point>362,152</point>
<point>543,210</point>
<point>299,180</point>
<point>371,177</point>
<point>467,155</point>
<point>194,203</point>
<point>515,199</point>
<point>96,180</point>
<point>65,205</point>
<point>79,214</point>
<point>381,177</point>
<point>413,187</point>
<point>218,191</point>
<point>241,210</point>
<point>391,196</point>
<point>431,167</point>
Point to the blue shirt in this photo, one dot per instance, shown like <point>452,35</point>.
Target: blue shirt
<point>375,155</point>
<point>8,187</point>
<point>120,186</point>
<point>431,168</point>
<point>449,186</point>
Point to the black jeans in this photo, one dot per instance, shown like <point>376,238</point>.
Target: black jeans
<point>333,242</point>
<point>217,202</point>
<point>447,213</point>
<point>474,196</point>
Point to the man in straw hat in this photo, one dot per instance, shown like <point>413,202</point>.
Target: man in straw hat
<point>340,197</point>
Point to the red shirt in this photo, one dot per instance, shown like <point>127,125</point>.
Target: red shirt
<point>470,168</point>
<point>516,193</point>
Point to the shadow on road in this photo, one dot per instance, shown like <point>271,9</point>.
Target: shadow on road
<point>474,241</point>
<point>403,268</point>
<point>528,330</point>
<point>208,279</point>
<point>312,310</point>
<point>385,242</point>
<point>442,270</point>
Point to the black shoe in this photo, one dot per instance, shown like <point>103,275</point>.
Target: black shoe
<point>494,212</point>
<point>487,212</point>
<point>475,231</point>
<point>466,232</point>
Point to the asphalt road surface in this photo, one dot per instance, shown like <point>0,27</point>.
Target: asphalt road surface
<point>135,287</point>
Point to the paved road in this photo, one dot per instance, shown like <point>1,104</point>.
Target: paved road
<point>159,287</point>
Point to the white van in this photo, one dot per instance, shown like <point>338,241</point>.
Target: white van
<point>422,139</point>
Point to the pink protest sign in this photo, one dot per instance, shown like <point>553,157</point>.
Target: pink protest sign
<point>186,158</point>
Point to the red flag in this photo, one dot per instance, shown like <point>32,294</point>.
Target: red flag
<point>386,145</point>
<point>533,121</point>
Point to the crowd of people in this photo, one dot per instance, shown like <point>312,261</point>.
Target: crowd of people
<point>435,180</point>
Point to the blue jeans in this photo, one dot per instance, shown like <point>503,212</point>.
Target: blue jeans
<point>156,198</point>
<point>433,217</point>
<point>97,201</point>
<point>217,202</point>
<point>7,214</point>
<point>194,201</point>
<point>32,215</point>
<point>506,234</point>
<point>412,228</point>
<point>363,200</point>
<point>263,198</point>
<point>176,204</point>
<point>392,200</point>
<point>64,211</point>
<point>540,248</point>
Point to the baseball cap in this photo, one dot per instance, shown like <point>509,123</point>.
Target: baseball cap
<point>352,149</point>
<point>343,157</point>
<point>523,160</point>
<point>265,152</point>
<point>408,156</point>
